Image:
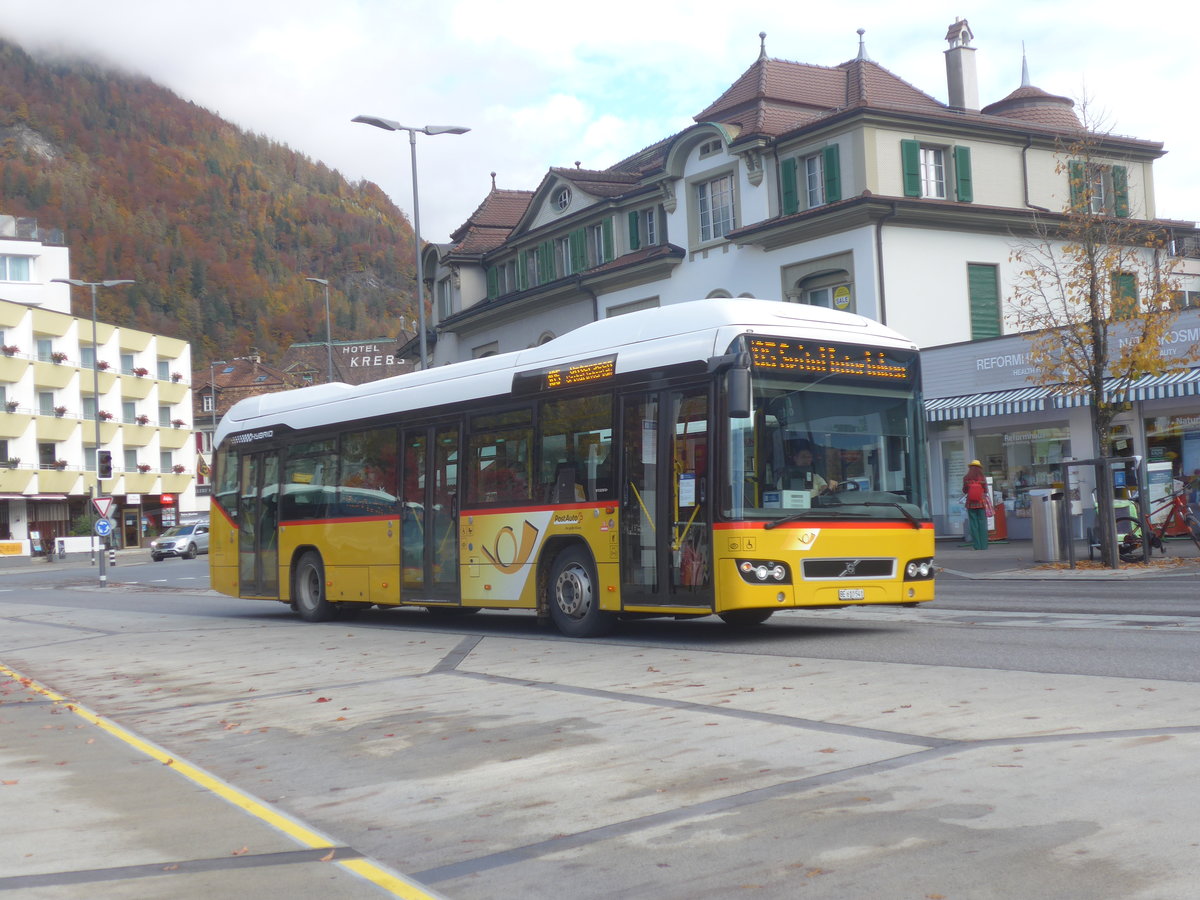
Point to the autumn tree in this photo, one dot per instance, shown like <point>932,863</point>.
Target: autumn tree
<point>1096,291</point>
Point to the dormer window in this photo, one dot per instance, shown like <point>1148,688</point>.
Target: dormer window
<point>562,198</point>
<point>708,148</point>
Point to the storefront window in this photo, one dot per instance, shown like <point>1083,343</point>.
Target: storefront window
<point>1019,460</point>
<point>1175,439</point>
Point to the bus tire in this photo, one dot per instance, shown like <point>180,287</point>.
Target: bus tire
<point>308,589</point>
<point>743,618</point>
<point>574,596</point>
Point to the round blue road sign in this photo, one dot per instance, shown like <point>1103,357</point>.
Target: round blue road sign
<point>103,527</point>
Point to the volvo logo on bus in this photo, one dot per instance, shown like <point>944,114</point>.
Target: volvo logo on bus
<point>849,568</point>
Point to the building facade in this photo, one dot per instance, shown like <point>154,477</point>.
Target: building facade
<point>842,186</point>
<point>137,396</point>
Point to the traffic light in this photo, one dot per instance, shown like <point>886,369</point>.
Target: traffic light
<point>104,464</point>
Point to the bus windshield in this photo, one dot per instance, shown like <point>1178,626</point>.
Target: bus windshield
<point>824,449</point>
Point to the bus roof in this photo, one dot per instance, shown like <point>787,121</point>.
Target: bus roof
<point>653,338</point>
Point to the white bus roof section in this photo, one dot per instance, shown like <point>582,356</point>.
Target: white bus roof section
<point>652,338</point>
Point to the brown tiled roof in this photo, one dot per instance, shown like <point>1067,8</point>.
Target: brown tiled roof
<point>774,96</point>
<point>491,223</point>
<point>1033,105</point>
<point>607,183</point>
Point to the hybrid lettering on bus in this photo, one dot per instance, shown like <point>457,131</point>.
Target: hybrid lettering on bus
<point>719,457</point>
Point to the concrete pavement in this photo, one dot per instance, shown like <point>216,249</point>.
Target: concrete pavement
<point>1017,560</point>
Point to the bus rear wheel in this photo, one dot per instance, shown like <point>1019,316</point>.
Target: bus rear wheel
<point>574,596</point>
<point>308,589</point>
<point>742,618</point>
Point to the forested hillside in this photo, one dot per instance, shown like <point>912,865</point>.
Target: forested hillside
<point>218,227</point>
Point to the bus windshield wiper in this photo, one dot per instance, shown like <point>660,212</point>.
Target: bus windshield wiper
<point>916,523</point>
<point>813,511</point>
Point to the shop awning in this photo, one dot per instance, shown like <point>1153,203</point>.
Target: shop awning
<point>33,496</point>
<point>1033,399</point>
<point>991,403</point>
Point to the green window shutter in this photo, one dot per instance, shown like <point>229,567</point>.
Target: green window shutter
<point>1077,176</point>
<point>789,197</point>
<point>493,283</point>
<point>546,259</point>
<point>607,226</point>
<point>578,243</point>
<point>831,162</point>
<point>1120,179</point>
<point>523,271</point>
<point>910,163</point>
<point>1125,299</point>
<point>962,174</point>
<point>634,239</point>
<point>983,289</point>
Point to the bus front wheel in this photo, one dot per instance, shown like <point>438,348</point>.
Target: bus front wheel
<point>308,589</point>
<point>574,596</point>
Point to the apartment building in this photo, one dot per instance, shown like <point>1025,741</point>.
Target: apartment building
<point>60,414</point>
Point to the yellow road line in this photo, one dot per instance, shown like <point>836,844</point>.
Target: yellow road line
<point>390,881</point>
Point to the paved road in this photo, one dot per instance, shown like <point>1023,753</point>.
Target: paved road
<point>679,760</point>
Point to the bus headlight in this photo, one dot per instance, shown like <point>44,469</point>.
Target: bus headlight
<point>919,569</point>
<point>762,571</point>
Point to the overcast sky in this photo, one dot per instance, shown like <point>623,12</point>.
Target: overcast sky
<point>545,84</point>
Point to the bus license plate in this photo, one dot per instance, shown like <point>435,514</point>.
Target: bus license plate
<point>851,593</point>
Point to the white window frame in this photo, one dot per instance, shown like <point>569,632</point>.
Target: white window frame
<point>563,253</point>
<point>716,212</point>
<point>933,172</point>
<point>650,223</point>
<point>16,268</point>
<point>814,180</point>
<point>595,244</point>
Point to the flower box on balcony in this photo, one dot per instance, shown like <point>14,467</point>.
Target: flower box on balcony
<point>11,405</point>
<point>177,469</point>
<point>177,376</point>
<point>59,464</point>
<point>12,462</point>
<point>10,349</point>
<point>141,371</point>
<point>105,415</point>
<point>178,423</point>
<point>102,365</point>
<point>58,357</point>
<point>142,420</point>
<point>60,411</point>
<point>143,467</point>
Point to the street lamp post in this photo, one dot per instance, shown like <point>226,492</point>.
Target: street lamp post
<point>389,125</point>
<point>328,328</point>
<point>96,388</point>
<point>212,394</point>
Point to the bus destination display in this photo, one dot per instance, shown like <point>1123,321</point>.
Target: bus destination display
<point>573,375</point>
<point>816,359</point>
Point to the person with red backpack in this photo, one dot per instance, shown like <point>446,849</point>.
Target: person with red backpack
<point>975,494</point>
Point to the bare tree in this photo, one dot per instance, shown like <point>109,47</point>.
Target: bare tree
<point>1096,291</point>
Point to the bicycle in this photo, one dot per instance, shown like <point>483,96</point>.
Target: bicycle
<point>1139,540</point>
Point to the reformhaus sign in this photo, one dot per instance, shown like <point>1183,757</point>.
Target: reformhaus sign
<point>1004,363</point>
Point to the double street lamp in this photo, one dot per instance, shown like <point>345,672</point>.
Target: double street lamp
<point>389,125</point>
<point>328,327</point>
<point>96,385</point>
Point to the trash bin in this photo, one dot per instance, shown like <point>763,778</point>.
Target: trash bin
<point>1044,512</point>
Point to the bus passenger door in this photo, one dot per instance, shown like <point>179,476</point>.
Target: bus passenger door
<point>258,525</point>
<point>666,503</point>
<point>429,515</point>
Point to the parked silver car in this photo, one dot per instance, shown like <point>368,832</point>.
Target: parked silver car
<point>180,540</point>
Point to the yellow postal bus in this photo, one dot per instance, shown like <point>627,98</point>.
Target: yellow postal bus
<point>727,457</point>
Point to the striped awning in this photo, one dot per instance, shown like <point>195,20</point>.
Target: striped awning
<point>992,403</point>
<point>1035,399</point>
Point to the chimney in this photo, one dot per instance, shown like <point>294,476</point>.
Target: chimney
<point>961,79</point>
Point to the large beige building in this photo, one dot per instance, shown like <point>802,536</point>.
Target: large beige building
<point>52,399</point>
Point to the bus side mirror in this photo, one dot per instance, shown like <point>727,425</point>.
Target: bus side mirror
<point>737,392</point>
